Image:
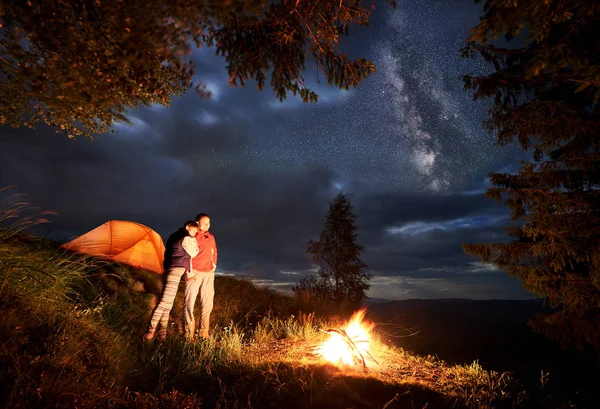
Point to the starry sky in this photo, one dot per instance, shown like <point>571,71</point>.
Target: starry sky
<point>407,147</point>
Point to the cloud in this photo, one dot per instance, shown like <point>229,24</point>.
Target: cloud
<point>418,227</point>
<point>403,288</point>
<point>136,126</point>
<point>262,221</point>
<point>327,95</point>
<point>207,118</point>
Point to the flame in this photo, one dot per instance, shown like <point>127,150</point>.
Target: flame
<point>345,350</point>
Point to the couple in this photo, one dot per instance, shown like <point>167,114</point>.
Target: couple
<point>191,251</point>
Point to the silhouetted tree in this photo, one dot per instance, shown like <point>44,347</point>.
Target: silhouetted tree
<point>77,64</point>
<point>341,277</point>
<point>546,88</point>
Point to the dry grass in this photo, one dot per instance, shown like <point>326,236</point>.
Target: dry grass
<point>470,386</point>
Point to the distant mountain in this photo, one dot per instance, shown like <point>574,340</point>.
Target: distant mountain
<point>462,330</point>
<point>372,300</point>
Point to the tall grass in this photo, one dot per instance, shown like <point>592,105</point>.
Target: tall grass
<point>16,215</point>
<point>47,274</point>
<point>305,326</point>
<point>52,344</point>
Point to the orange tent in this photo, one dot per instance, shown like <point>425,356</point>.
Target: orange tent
<point>126,242</point>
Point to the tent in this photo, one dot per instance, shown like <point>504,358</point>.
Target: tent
<point>123,241</point>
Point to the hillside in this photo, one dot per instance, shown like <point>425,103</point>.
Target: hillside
<point>71,336</point>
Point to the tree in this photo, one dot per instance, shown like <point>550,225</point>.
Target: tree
<point>341,278</point>
<point>77,64</point>
<point>546,89</point>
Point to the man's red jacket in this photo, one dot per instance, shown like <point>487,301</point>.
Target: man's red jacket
<point>206,260</point>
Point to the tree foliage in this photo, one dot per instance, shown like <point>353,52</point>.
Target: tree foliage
<point>341,278</point>
<point>546,87</point>
<point>78,64</point>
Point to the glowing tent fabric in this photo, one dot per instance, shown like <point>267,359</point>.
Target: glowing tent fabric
<point>123,241</point>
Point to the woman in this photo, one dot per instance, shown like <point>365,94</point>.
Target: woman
<point>180,249</point>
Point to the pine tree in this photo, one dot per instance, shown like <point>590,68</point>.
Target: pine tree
<point>341,277</point>
<point>546,89</point>
<point>76,65</point>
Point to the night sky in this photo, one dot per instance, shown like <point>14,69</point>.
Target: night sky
<point>407,147</point>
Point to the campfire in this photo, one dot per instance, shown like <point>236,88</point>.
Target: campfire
<point>350,344</point>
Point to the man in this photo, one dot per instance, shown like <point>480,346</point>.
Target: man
<point>201,279</point>
<point>180,249</point>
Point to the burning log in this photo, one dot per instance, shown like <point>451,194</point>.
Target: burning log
<point>347,345</point>
<point>351,345</point>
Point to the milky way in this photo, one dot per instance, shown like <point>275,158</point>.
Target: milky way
<point>409,126</point>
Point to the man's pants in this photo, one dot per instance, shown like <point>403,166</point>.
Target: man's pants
<point>163,309</point>
<point>203,283</point>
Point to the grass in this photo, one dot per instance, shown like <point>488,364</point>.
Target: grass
<point>71,336</point>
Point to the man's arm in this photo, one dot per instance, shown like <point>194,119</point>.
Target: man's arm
<point>214,255</point>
